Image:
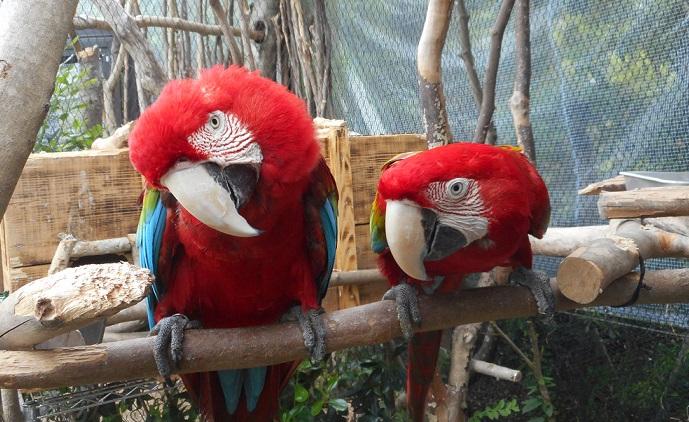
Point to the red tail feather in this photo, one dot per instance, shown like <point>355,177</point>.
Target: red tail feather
<point>423,356</point>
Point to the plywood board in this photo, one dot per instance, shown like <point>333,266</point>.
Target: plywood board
<point>90,194</point>
<point>368,154</point>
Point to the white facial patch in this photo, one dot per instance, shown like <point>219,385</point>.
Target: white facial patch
<point>460,206</point>
<point>226,140</point>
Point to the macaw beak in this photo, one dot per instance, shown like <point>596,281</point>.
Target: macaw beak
<point>213,194</point>
<point>414,235</point>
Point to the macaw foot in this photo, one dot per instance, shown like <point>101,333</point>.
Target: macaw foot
<point>312,329</point>
<point>407,301</point>
<point>167,347</point>
<point>538,284</point>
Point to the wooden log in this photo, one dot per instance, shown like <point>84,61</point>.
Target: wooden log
<point>646,202</point>
<point>68,300</point>
<point>32,38</point>
<point>495,371</point>
<point>11,410</point>
<point>209,350</point>
<point>614,184</point>
<point>587,271</point>
<point>590,269</point>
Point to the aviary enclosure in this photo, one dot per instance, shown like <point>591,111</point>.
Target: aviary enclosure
<point>587,89</point>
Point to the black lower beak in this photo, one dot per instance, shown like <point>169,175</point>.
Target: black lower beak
<point>441,240</point>
<point>237,179</point>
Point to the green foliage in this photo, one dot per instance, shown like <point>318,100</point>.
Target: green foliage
<point>501,409</point>
<point>64,129</point>
<point>364,380</point>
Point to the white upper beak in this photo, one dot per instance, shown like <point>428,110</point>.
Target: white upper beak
<point>405,236</point>
<point>206,200</point>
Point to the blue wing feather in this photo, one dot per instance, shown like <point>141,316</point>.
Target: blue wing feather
<point>149,239</point>
<point>328,214</point>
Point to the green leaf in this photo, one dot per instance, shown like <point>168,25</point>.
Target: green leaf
<point>300,393</point>
<point>338,404</point>
<point>317,407</point>
<point>530,404</point>
<point>537,419</point>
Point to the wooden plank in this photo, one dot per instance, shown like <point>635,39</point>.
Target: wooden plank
<point>18,277</point>
<point>368,154</point>
<point>614,184</point>
<point>646,202</point>
<point>366,258</point>
<point>90,194</point>
<point>337,146</point>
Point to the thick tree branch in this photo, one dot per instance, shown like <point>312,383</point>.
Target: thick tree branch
<point>490,79</point>
<point>428,65</point>
<point>519,103</point>
<point>32,38</point>
<point>646,202</point>
<point>207,350</point>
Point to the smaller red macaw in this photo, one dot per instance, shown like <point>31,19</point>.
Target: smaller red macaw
<point>442,214</point>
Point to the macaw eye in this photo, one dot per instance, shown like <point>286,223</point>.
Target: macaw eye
<point>457,188</point>
<point>214,121</point>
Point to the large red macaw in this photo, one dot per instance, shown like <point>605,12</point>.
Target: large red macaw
<point>442,214</point>
<point>238,225</point>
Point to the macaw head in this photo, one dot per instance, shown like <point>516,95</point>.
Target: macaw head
<point>216,140</point>
<point>441,201</point>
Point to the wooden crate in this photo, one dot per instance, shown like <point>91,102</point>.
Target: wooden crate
<point>355,162</point>
<point>93,195</point>
<point>90,194</point>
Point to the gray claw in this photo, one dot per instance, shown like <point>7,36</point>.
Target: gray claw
<point>167,346</point>
<point>407,302</point>
<point>538,284</point>
<point>313,330</point>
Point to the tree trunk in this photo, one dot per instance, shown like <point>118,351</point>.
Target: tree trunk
<point>32,38</point>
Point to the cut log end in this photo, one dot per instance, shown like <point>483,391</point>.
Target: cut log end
<point>580,280</point>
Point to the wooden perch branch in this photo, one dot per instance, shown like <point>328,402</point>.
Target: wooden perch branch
<point>428,65</point>
<point>67,300</point>
<point>646,202</point>
<point>490,79</point>
<point>519,102</point>
<point>495,371</point>
<point>614,184</point>
<point>208,350</point>
<point>117,139</point>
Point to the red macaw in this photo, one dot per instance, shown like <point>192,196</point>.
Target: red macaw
<point>238,225</point>
<point>442,214</point>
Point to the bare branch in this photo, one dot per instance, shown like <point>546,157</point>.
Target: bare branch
<point>221,17</point>
<point>208,350</point>
<point>490,79</point>
<point>245,28</point>
<point>519,103</point>
<point>428,65</point>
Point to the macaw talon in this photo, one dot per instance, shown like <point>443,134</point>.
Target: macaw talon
<point>538,284</point>
<point>167,347</point>
<point>312,329</point>
<point>407,302</point>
